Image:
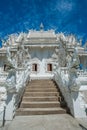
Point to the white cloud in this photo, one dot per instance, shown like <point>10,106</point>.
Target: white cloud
<point>65,5</point>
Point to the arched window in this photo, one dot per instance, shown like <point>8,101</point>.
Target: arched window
<point>49,67</point>
<point>34,67</point>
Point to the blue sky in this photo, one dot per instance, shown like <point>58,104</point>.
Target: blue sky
<point>68,16</point>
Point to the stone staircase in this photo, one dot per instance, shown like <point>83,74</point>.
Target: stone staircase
<point>42,97</point>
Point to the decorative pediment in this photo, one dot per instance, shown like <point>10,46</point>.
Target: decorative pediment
<point>35,59</point>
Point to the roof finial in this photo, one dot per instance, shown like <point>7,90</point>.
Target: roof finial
<point>41,27</point>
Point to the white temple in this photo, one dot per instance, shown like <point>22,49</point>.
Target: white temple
<point>43,55</point>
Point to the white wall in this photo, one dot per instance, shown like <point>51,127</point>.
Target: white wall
<point>41,56</point>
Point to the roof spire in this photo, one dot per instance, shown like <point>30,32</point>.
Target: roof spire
<point>41,26</point>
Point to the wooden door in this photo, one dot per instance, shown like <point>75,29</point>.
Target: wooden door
<point>34,67</point>
<point>49,67</point>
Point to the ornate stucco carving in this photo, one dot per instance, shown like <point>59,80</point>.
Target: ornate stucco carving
<point>3,98</point>
<point>74,83</point>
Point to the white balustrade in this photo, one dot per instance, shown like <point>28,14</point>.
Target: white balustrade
<point>64,70</point>
<point>75,100</point>
<point>82,73</point>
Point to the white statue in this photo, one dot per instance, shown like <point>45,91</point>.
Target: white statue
<point>10,60</point>
<point>68,59</point>
<point>11,68</point>
<point>10,82</point>
<point>73,66</point>
<point>62,37</point>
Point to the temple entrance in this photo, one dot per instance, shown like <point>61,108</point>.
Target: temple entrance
<point>41,69</point>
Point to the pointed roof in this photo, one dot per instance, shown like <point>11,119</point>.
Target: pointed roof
<point>41,26</point>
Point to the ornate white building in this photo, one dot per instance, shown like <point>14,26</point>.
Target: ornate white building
<point>43,54</point>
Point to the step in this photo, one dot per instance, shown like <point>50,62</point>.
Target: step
<point>41,94</point>
<point>37,81</point>
<point>39,104</point>
<point>40,86</point>
<point>49,82</point>
<point>41,82</point>
<point>39,111</point>
<point>40,99</point>
<point>41,90</point>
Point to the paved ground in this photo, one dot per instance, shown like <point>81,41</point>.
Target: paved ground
<point>83,123</point>
<point>44,122</point>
